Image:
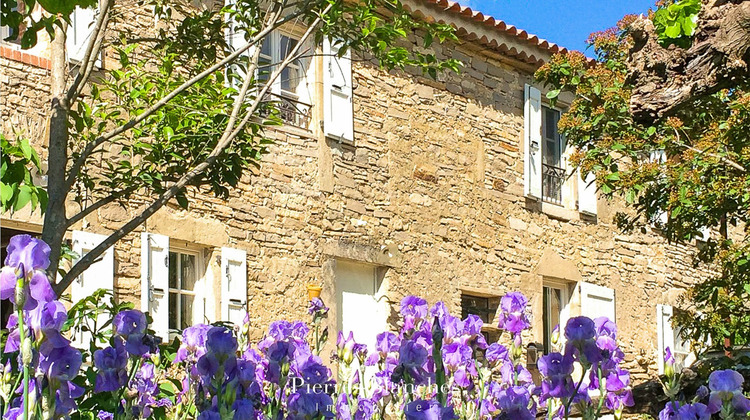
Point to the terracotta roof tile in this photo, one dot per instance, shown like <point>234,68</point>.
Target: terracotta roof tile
<point>499,25</point>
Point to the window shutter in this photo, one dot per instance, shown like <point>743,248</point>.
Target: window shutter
<point>532,163</point>
<point>338,121</point>
<point>79,31</point>
<point>587,194</point>
<point>665,332</point>
<point>155,281</point>
<point>597,301</point>
<point>99,275</point>
<point>233,285</point>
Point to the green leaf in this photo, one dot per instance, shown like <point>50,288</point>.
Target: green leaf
<point>553,94</point>
<point>23,197</point>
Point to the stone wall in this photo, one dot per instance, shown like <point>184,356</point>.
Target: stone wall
<point>434,179</point>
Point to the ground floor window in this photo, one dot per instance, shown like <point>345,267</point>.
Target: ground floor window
<point>186,302</point>
<point>554,313</point>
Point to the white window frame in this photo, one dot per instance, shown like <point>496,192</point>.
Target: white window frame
<point>199,293</point>
<point>564,187</point>
<point>564,315</point>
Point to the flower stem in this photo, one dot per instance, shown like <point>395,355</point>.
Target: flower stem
<point>22,336</point>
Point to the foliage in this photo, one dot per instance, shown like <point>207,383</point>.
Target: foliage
<point>19,162</point>
<point>684,176</point>
<point>19,14</point>
<point>436,366</point>
<point>675,22</point>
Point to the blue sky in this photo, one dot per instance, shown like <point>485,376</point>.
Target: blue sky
<point>565,22</point>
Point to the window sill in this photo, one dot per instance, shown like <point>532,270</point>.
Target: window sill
<point>558,212</point>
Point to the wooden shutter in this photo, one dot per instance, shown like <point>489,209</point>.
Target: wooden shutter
<point>532,122</point>
<point>597,301</point>
<point>233,285</point>
<point>79,31</point>
<point>587,194</point>
<point>155,281</point>
<point>665,332</point>
<point>338,121</point>
<point>99,275</point>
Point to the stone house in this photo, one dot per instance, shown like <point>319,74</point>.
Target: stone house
<point>386,184</point>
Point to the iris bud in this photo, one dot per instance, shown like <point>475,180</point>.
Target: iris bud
<point>26,351</point>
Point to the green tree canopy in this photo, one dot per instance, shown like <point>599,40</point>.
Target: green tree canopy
<point>688,163</point>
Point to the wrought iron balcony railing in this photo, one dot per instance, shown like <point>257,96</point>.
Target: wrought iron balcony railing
<point>553,179</point>
<point>291,110</point>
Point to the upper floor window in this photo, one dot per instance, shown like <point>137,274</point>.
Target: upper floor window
<point>553,172</point>
<point>6,32</point>
<point>290,90</point>
<point>546,175</point>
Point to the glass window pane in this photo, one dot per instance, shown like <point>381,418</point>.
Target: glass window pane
<point>188,275</point>
<point>186,311</point>
<point>287,45</point>
<point>173,325</point>
<point>265,47</point>
<point>173,270</point>
<point>289,79</point>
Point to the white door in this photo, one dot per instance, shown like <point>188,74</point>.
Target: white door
<point>362,305</point>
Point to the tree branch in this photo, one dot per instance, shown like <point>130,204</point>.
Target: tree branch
<point>97,205</point>
<point>80,266</point>
<point>93,51</point>
<point>78,164</point>
<point>666,79</point>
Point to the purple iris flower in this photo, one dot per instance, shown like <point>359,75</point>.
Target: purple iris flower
<point>427,410</point>
<point>13,342</point>
<point>8,278</point>
<point>579,329</point>
<point>412,359</point>
<point>343,411</point>
<point>209,415</point>
<point>193,343</point>
<point>556,369</point>
<point>221,342</point>
<point>65,397</point>
<point>317,306</point>
<point>726,387</point>
<point>129,322</point>
<point>456,355</point>
<point>413,310</point>
<point>385,342</point>
<point>313,372</point>
<point>511,374</point>
<point>616,400</point>
<point>496,353</point>
<point>513,317</point>
<point>46,320</point>
<point>345,347</point>
<point>29,252</point>
<point>696,411</point>
<point>606,333</point>
<point>669,412</point>
<point>111,364</point>
<point>62,363</point>
<point>304,405</point>
<point>668,357</point>
<point>105,415</point>
<point>243,410</point>
<point>365,409</point>
<point>514,403</point>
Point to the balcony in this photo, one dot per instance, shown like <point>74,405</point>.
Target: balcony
<point>291,111</point>
<point>553,179</point>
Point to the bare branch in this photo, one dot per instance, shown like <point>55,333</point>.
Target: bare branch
<point>93,51</point>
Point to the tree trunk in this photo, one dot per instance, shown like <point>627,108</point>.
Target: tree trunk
<point>55,220</point>
<point>667,79</point>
